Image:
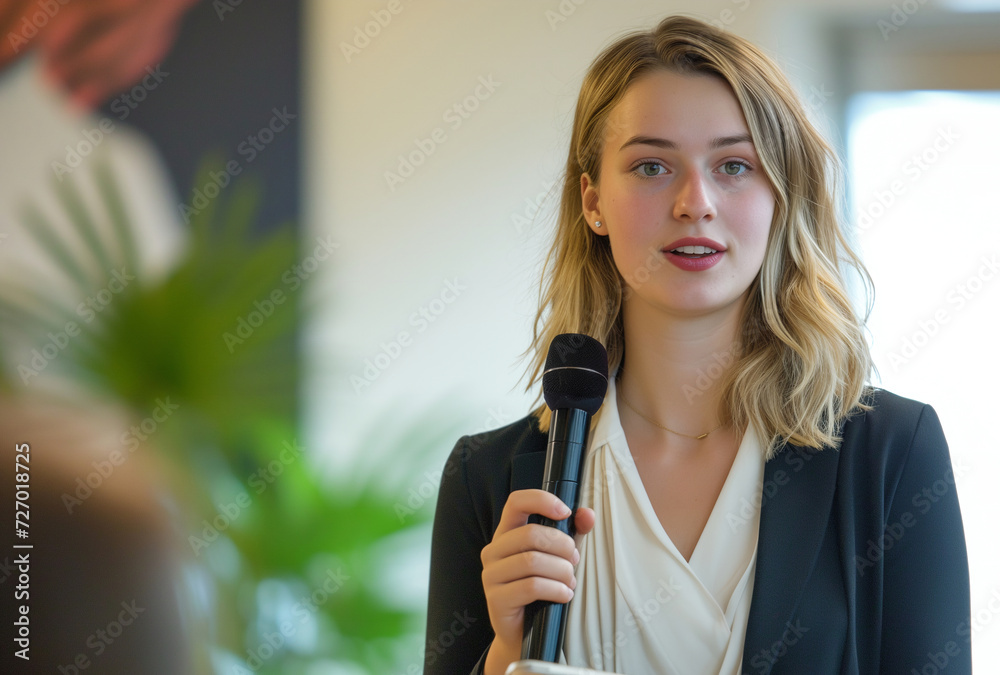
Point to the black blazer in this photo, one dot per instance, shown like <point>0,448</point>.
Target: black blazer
<point>861,560</point>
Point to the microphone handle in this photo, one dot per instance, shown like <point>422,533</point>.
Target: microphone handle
<point>545,622</point>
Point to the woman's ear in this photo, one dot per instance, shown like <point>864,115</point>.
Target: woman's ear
<point>590,197</point>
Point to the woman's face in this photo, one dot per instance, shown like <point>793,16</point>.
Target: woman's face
<point>682,196</point>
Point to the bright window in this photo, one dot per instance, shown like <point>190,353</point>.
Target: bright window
<point>925,186</point>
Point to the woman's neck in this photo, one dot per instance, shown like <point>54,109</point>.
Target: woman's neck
<point>675,367</point>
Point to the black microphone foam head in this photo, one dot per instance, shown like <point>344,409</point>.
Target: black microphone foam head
<point>576,373</point>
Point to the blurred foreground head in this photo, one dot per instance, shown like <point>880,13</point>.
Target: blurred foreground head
<point>102,583</point>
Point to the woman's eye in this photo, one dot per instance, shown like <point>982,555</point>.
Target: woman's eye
<point>650,169</point>
<point>734,168</point>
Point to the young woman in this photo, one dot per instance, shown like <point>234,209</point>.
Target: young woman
<point>750,504</point>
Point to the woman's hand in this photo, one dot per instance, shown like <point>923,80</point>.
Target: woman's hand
<point>524,563</point>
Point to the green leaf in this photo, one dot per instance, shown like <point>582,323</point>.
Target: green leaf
<point>43,232</point>
<point>74,206</point>
<point>112,198</point>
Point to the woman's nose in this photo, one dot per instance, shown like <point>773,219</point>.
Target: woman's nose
<point>693,201</point>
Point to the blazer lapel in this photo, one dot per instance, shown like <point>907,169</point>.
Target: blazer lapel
<point>527,470</point>
<point>799,485</point>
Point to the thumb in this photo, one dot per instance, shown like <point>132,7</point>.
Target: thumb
<point>584,520</point>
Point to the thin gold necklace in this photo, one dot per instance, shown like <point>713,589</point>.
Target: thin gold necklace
<point>655,423</point>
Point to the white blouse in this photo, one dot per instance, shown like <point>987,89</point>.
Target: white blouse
<point>639,606</point>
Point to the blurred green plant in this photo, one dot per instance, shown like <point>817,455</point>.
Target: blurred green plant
<point>295,563</point>
<point>167,336</point>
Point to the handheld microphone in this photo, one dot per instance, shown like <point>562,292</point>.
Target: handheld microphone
<point>574,383</point>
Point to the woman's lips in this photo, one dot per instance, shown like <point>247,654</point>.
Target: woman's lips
<point>696,263</point>
<point>694,254</point>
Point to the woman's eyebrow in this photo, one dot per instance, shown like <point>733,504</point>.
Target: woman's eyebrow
<point>725,141</point>
<point>666,144</point>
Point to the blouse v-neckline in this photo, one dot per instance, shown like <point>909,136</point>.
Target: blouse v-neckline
<point>631,575</point>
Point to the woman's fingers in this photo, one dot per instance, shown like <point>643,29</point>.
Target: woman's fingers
<point>530,537</point>
<point>527,562</point>
<point>522,504</point>
<point>527,565</point>
<point>514,535</point>
<point>525,591</point>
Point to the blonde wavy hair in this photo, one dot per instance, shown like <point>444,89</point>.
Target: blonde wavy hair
<point>801,363</point>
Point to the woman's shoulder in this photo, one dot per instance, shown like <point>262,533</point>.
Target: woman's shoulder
<point>895,432</point>
<point>479,470</point>
<point>889,416</point>
<point>495,450</point>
